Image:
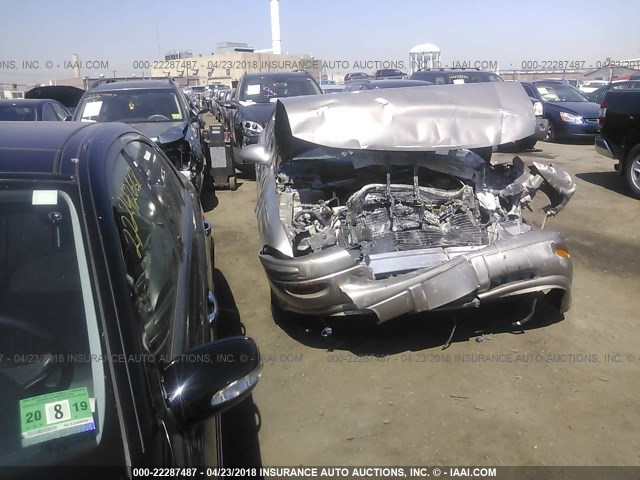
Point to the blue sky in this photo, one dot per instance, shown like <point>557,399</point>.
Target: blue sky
<point>509,32</point>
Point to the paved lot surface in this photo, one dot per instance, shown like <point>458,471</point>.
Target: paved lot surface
<point>556,394</point>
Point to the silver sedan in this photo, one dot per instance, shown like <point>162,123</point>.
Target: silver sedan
<point>375,202</point>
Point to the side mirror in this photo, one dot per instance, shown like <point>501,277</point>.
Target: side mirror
<point>229,105</point>
<point>211,378</point>
<point>203,110</point>
<point>254,154</point>
<point>68,118</point>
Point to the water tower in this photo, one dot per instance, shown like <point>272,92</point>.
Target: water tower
<point>425,55</point>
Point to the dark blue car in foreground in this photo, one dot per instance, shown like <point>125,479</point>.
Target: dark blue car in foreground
<point>107,312</point>
<point>570,114</point>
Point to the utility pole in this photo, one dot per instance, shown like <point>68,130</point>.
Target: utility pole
<point>276,43</point>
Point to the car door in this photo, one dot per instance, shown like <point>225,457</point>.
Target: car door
<point>165,267</point>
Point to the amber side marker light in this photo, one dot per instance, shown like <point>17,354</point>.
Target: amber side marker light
<point>307,289</point>
<point>561,251</point>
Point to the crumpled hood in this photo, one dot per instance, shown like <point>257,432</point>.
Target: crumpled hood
<point>409,119</point>
<point>164,132</point>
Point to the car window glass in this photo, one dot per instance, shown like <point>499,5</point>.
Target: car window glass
<point>135,105</point>
<point>59,111</point>
<point>14,113</point>
<point>151,252</point>
<point>263,89</point>
<point>49,330</point>
<point>48,115</point>
<point>560,93</point>
<point>161,179</point>
<point>529,91</point>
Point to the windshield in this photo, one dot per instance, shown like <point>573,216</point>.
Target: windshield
<point>264,89</point>
<point>560,92</point>
<point>474,77</point>
<point>130,106</point>
<point>594,84</point>
<point>391,72</point>
<point>53,392</point>
<point>443,78</point>
<point>14,113</point>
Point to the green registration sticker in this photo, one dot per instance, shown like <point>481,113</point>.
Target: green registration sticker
<point>55,415</point>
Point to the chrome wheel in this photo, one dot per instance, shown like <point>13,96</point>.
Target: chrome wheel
<point>635,173</point>
<point>632,172</point>
<point>551,134</point>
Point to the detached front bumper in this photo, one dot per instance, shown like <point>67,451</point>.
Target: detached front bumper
<point>331,282</point>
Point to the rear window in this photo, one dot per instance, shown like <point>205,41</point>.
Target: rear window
<point>389,72</point>
<point>473,77</point>
<point>446,78</point>
<point>14,113</point>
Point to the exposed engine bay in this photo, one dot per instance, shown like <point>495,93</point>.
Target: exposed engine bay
<point>378,209</point>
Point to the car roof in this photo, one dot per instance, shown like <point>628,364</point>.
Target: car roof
<point>49,147</point>
<point>133,84</point>
<point>276,74</point>
<point>392,83</point>
<point>454,70</point>
<point>549,82</point>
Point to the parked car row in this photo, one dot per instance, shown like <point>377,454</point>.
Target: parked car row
<point>597,95</point>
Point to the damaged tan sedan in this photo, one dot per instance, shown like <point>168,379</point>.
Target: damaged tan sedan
<point>375,203</point>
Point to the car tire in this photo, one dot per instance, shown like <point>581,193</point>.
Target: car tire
<point>280,315</point>
<point>233,183</point>
<point>526,144</point>
<point>632,171</point>
<point>551,134</point>
<point>484,153</point>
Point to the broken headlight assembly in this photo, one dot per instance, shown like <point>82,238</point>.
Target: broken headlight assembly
<point>179,152</point>
<point>251,128</point>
